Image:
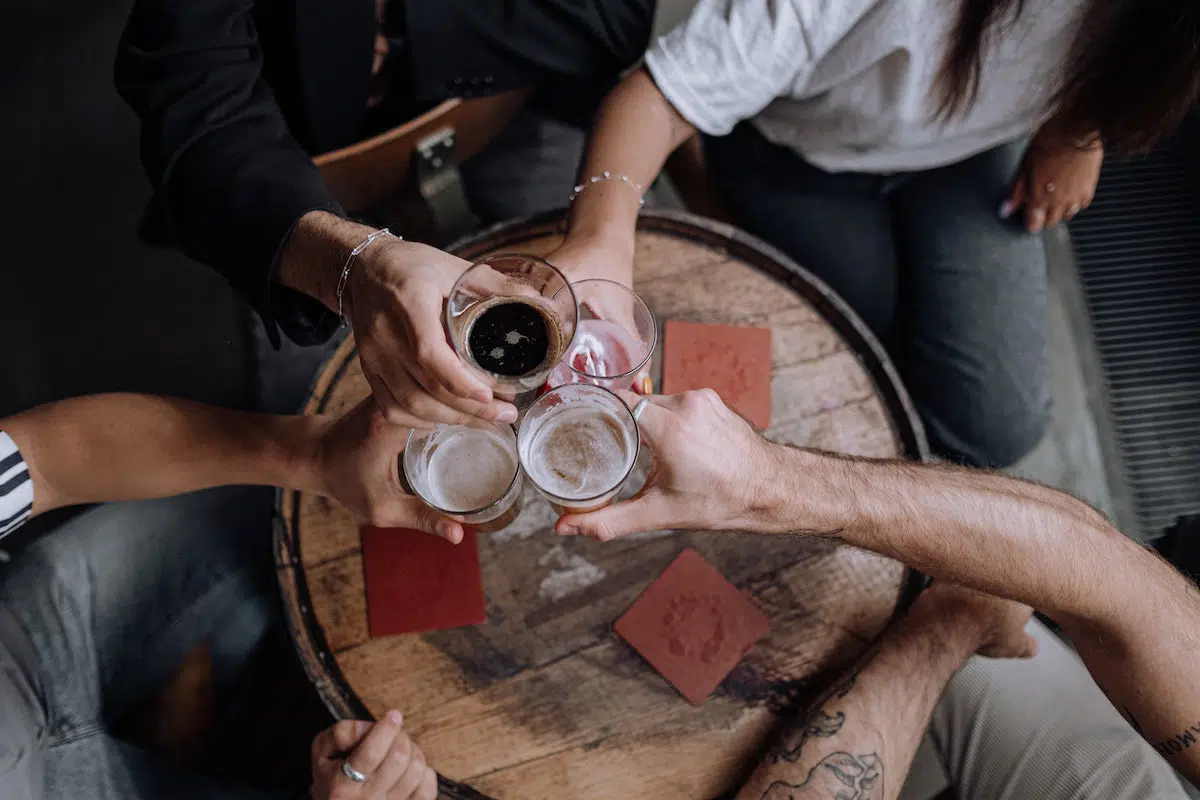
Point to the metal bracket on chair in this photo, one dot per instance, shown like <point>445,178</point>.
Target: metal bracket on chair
<point>441,184</point>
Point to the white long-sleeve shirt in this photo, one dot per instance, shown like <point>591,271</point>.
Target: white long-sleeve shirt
<point>848,84</point>
<point>16,488</point>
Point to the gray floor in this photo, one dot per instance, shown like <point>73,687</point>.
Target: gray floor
<point>1071,456</point>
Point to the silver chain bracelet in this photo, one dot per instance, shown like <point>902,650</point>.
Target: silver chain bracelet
<point>608,176</point>
<point>344,278</point>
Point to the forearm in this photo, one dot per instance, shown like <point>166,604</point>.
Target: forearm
<point>1146,662</point>
<point>864,734</point>
<point>999,535</point>
<point>311,260</point>
<point>1135,620</point>
<point>127,446</point>
<point>634,132</point>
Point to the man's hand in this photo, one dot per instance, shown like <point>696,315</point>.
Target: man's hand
<point>1056,180</point>
<point>710,467</point>
<point>358,459</point>
<point>394,766</point>
<point>395,298</point>
<point>1000,623</point>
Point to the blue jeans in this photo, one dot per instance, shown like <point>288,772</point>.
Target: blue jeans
<point>97,615</point>
<point>957,295</point>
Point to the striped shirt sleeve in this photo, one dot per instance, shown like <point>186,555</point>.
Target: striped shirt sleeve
<point>16,489</point>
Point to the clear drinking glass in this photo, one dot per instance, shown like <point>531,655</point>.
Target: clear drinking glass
<point>512,317</point>
<point>614,338</point>
<point>469,473</point>
<point>577,445</point>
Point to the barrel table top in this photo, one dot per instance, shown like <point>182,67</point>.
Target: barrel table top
<point>544,700</point>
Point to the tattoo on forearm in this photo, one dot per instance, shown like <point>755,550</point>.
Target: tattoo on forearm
<point>1184,740</point>
<point>815,724</point>
<point>838,776</point>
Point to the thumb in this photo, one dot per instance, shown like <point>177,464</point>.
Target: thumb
<point>409,512</point>
<point>1016,198</point>
<point>647,512</point>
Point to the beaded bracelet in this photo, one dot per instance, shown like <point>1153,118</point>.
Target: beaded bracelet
<point>344,278</point>
<point>608,176</point>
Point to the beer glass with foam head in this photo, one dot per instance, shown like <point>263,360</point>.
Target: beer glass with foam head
<point>614,338</point>
<point>578,444</point>
<point>468,473</point>
<point>512,317</point>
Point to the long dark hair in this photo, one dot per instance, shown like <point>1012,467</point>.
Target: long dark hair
<point>1131,74</point>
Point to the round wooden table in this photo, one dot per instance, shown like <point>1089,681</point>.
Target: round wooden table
<point>544,700</point>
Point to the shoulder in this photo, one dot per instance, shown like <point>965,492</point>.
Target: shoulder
<point>761,27</point>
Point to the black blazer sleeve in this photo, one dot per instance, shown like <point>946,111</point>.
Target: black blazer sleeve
<point>229,180</point>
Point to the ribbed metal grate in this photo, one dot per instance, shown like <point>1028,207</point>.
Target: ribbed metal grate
<point>1138,249</point>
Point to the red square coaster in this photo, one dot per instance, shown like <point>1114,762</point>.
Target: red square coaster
<point>735,362</point>
<point>418,582</point>
<point>692,625</point>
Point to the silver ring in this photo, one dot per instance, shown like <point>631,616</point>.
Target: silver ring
<point>351,773</point>
<point>640,407</point>
<point>1050,187</point>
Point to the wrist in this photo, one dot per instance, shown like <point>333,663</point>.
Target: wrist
<point>604,217</point>
<point>314,254</point>
<point>296,452</point>
<point>616,242</point>
<point>960,628</point>
<point>797,486</point>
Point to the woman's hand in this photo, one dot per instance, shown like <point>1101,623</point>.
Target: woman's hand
<point>584,260</point>
<point>394,767</point>
<point>604,261</point>
<point>1056,180</point>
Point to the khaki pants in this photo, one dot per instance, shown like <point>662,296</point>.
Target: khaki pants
<point>1039,728</point>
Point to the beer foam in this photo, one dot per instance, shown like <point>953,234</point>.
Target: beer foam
<point>465,469</point>
<point>580,452</point>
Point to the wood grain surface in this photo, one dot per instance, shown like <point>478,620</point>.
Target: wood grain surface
<point>544,701</point>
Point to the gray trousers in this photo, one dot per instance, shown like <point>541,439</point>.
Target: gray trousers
<point>96,616</point>
<point>1039,728</point>
<point>957,295</point>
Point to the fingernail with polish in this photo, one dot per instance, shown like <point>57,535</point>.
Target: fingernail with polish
<point>1006,209</point>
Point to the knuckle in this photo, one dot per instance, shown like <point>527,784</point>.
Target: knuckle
<point>395,414</point>
<point>694,401</point>
<point>401,750</point>
<point>425,353</point>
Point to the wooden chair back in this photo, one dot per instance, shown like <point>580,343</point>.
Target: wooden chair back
<point>371,173</point>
